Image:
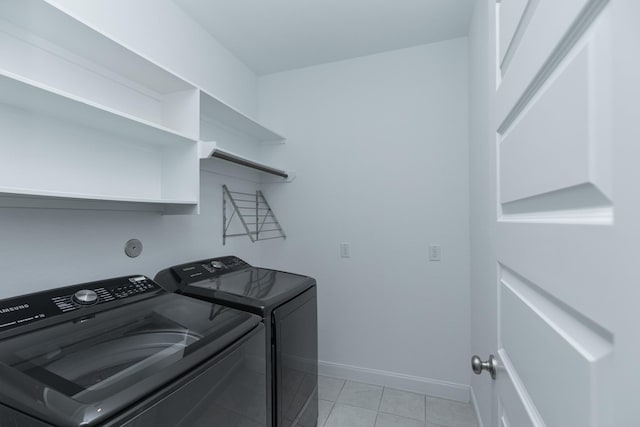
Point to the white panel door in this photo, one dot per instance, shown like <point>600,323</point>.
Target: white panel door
<point>566,121</point>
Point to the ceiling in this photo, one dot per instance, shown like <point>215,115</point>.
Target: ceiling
<point>277,35</point>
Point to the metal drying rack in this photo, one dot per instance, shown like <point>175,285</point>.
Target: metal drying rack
<point>255,214</point>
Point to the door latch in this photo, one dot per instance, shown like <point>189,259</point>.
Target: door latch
<point>490,365</point>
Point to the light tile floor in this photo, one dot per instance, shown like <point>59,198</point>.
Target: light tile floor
<point>346,403</point>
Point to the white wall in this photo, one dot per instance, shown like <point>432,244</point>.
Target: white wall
<point>380,146</point>
<point>47,248</point>
<point>482,201</point>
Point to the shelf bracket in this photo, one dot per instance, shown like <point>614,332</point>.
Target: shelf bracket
<point>256,216</point>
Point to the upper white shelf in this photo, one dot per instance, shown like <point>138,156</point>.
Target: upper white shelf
<point>37,20</point>
<point>37,98</point>
<point>50,28</point>
<point>216,111</point>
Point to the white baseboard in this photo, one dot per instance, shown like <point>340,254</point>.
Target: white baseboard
<point>474,403</point>
<point>431,387</point>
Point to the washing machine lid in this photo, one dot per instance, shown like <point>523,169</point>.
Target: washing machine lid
<point>231,281</point>
<point>86,369</point>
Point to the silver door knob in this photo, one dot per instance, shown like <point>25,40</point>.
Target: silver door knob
<point>490,365</point>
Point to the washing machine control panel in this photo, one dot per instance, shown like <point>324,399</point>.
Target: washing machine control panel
<point>27,309</point>
<point>208,268</point>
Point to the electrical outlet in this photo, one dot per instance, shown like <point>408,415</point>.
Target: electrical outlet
<point>345,250</point>
<point>434,252</point>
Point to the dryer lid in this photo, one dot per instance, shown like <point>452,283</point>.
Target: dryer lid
<point>232,281</point>
<point>258,289</point>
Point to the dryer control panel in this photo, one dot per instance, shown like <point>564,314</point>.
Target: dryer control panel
<point>208,268</point>
<point>27,309</point>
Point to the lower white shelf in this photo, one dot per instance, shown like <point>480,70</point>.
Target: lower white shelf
<point>59,152</point>
<point>31,198</point>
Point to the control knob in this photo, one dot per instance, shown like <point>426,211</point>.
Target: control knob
<point>85,297</point>
<point>217,265</point>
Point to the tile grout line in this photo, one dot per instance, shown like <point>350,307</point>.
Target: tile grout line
<point>425,409</point>
<point>381,397</point>
<point>333,404</point>
<point>424,419</point>
<point>325,421</point>
<point>376,420</point>
<point>378,409</point>
<point>355,407</point>
<point>344,384</point>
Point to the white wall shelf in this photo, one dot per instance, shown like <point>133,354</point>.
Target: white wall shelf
<point>36,98</point>
<point>29,198</point>
<point>218,113</point>
<point>49,28</point>
<point>239,144</point>
<point>59,146</point>
<point>87,122</point>
<point>42,43</point>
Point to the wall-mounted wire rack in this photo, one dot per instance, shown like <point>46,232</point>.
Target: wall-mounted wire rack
<point>254,213</point>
